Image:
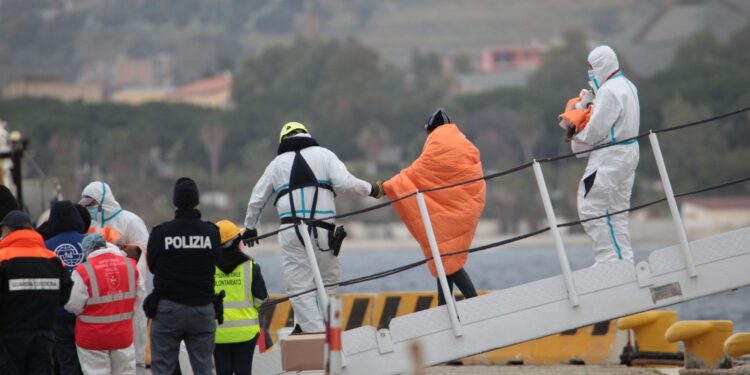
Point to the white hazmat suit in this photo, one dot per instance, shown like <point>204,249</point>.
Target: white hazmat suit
<point>298,275</point>
<point>133,231</point>
<point>608,181</point>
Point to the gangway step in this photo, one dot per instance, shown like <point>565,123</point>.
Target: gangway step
<point>542,308</point>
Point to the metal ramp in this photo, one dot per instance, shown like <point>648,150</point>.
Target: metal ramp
<point>543,307</point>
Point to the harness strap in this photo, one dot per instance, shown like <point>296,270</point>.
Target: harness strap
<point>319,224</point>
<point>287,190</point>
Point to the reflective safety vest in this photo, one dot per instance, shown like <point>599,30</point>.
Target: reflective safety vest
<point>240,315</point>
<point>106,322</point>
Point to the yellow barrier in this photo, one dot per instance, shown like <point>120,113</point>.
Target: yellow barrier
<point>703,341</point>
<point>737,344</point>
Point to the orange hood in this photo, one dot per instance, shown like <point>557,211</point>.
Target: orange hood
<point>447,158</point>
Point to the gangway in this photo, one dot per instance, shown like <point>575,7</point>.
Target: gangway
<point>679,273</point>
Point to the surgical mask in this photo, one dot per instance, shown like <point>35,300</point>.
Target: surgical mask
<point>592,80</point>
<point>93,212</point>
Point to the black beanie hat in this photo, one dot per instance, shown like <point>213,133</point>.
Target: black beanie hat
<point>185,194</point>
<point>439,117</point>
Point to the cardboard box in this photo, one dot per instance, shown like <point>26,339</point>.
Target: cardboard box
<point>302,352</point>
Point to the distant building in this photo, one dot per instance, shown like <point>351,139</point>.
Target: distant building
<point>649,45</point>
<point>50,87</point>
<point>500,66</point>
<point>502,58</point>
<point>210,92</point>
<point>716,213</point>
<point>140,95</point>
<point>474,83</point>
<point>126,72</point>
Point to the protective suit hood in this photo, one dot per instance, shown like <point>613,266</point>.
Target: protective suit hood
<point>604,62</point>
<point>101,191</point>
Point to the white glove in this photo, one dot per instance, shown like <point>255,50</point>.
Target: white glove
<point>587,97</point>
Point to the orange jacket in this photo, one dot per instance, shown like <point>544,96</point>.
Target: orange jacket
<point>447,158</point>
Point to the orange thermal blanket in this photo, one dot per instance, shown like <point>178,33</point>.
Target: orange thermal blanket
<point>447,158</point>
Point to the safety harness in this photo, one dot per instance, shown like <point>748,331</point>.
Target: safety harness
<point>302,176</point>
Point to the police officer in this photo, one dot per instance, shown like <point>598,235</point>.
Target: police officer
<point>182,255</point>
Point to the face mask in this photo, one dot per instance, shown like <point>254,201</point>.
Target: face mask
<point>93,212</point>
<point>592,80</point>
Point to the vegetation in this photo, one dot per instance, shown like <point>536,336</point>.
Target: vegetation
<point>356,105</point>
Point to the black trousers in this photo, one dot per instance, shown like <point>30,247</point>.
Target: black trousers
<point>463,282</point>
<point>66,357</point>
<point>235,359</point>
<point>27,352</point>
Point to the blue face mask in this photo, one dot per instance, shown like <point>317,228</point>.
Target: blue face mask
<point>592,78</point>
<point>93,212</point>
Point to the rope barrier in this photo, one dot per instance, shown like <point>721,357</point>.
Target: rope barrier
<point>409,266</point>
<point>505,172</point>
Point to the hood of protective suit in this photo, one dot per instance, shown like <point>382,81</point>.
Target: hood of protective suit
<point>101,191</point>
<point>604,62</point>
<point>447,158</point>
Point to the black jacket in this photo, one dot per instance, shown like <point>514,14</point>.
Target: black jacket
<point>33,283</point>
<point>182,256</point>
<point>231,258</point>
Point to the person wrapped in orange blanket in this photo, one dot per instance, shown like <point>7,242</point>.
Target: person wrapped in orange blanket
<point>576,114</point>
<point>448,157</point>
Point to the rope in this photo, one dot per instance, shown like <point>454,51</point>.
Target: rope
<point>505,172</point>
<point>409,266</point>
<point>643,135</point>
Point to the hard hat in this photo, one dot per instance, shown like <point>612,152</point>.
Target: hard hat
<point>227,231</point>
<point>290,127</point>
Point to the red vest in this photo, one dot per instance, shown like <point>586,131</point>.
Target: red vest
<point>106,322</point>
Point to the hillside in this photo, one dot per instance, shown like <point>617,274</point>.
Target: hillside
<point>59,37</point>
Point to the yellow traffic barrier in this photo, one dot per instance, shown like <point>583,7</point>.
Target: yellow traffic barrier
<point>357,310</point>
<point>703,340</point>
<point>148,343</point>
<point>738,344</point>
<point>277,316</point>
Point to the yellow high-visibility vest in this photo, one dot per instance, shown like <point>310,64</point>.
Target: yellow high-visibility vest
<point>240,315</point>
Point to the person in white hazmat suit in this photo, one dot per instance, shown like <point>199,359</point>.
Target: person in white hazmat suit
<point>304,177</point>
<point>608,180</point>
<point>98,198</point>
